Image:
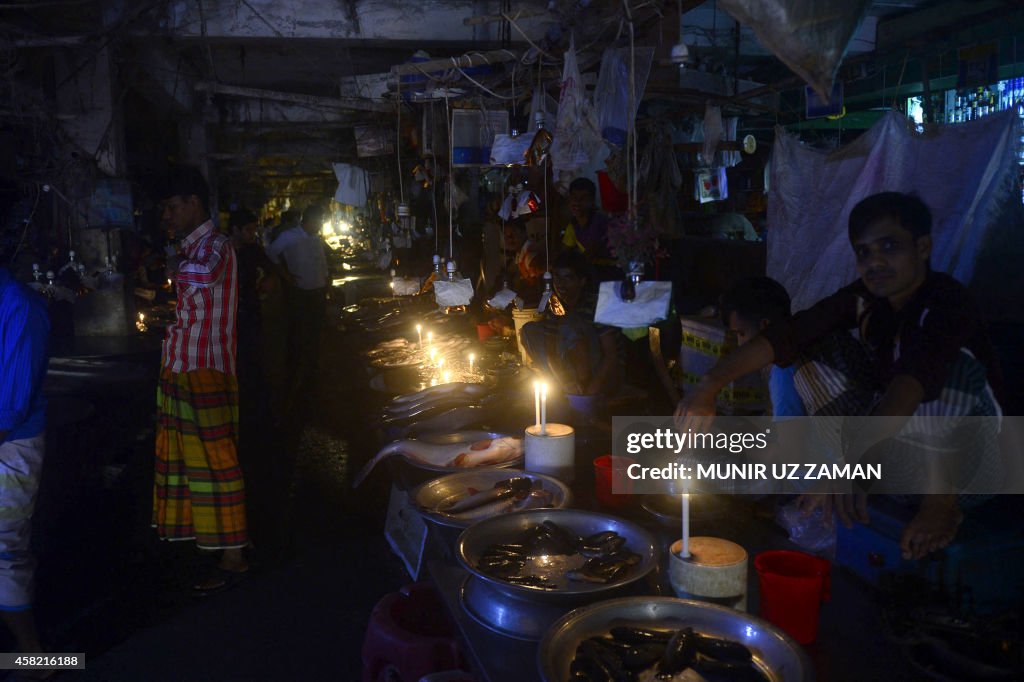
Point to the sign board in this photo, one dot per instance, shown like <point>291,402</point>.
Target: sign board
<point>977,65</point>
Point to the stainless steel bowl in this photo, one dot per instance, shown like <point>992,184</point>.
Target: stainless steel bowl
<point>432,495</point>
<point>776,653</point>
<point>475,540</point>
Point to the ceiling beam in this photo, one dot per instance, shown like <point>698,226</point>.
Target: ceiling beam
<point>344,103</point>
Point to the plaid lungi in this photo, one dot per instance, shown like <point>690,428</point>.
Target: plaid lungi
<point>198,491</point>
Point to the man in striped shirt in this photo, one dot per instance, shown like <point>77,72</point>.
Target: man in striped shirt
<point>198,488</point>
<point>927,356</point>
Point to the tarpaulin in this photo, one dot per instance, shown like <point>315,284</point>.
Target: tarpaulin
<point>809,36</point>
<point>966,173</point>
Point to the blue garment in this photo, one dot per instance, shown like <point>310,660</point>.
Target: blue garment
<point>24,340</point>
<point>786,402</point>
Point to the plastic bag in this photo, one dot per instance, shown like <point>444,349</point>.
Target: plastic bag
<point>808,531</point>
<point>649,306</point>
<point>576,140</point>
<point>611,97</point>
<point>809,36</point>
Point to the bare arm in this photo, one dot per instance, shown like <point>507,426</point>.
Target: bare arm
<point>750,357</point>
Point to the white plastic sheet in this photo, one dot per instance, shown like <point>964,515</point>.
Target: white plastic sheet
<point>649,306</point>
<point>809,36</point>
<point>459,292</point>
<point>576,139</point>
<point>965,173</point>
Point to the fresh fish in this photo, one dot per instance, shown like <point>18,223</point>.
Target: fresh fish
<point>455,419</point>
<point>476,390</point>
<point>510,487</point>
<point>481,453</point>
<point>426,410</point>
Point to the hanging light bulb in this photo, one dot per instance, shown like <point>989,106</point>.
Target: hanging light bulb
<point>405,222</point>
<point>545,296</point>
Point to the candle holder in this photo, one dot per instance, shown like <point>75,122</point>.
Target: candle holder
<point>551,452</point>
<point>715,571</point>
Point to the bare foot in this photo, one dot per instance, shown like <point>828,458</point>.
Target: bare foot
<point>935,525</point>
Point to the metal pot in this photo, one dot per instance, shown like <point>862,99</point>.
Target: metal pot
<point>476,539</point>
<point>776,653</point>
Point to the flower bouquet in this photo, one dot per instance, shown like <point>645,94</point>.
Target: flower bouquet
<point>633,242</point>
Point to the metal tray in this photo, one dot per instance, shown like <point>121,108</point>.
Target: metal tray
<point>507,528</point>
<point>776,653</point>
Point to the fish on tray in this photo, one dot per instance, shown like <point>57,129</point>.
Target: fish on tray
<point>489,452</point>
<point>457,393</point>
<point>512,494</point>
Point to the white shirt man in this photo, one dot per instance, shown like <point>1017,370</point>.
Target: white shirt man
<point>302,250</point>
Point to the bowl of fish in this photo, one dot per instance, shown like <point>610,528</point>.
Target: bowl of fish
<point>557,555</point>
<point>668,639</point>
<point>460,500</point>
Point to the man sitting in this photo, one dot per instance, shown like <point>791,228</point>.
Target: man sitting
<point>929,354</point>
<point>583,357</point>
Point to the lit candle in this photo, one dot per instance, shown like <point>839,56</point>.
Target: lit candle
<point>440,363</point>
<point>536,403</point>
<point>685,551</point>
<point>142,317</point>
<point>430,338</point>
<point>446,376</point>
<point>471,359</point>
<point>543,409</point>
<point>432,354</point>
<point>419,332</point>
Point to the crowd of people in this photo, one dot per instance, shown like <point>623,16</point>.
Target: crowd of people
<point>901,341</point>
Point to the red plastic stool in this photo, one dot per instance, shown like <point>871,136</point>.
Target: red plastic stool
<point>409,636</point>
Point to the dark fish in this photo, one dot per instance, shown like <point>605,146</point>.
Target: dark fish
<point>679,655</point>
<point>501,490</point>
<point>726,671</point>
<point>723,649</point>
<point>635,635</point>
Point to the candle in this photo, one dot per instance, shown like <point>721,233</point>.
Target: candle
<point>432,353</point>
<point>536,403</point>
<point>419,332</point>
<point>471,359</point>
<point>446,377</point>
<point>440,363</point>
<point>430,338</point>
<point>543,408</point>
<point>685,551</point>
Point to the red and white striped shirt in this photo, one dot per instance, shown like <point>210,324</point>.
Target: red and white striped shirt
<point>203,335</point>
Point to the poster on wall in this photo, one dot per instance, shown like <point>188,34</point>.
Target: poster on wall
<point>110,206</point>
<point>711,185</point>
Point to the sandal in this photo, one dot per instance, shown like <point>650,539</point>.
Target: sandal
<point>218,580</point>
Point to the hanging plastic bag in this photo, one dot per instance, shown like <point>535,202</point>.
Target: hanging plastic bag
<point>649,306</point>
<point>611,97</point>
<point>576,139</point>
<point>809,36</point>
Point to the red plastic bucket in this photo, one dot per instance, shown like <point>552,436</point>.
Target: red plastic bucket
<point>793,585</point>
<point>612,485</point>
